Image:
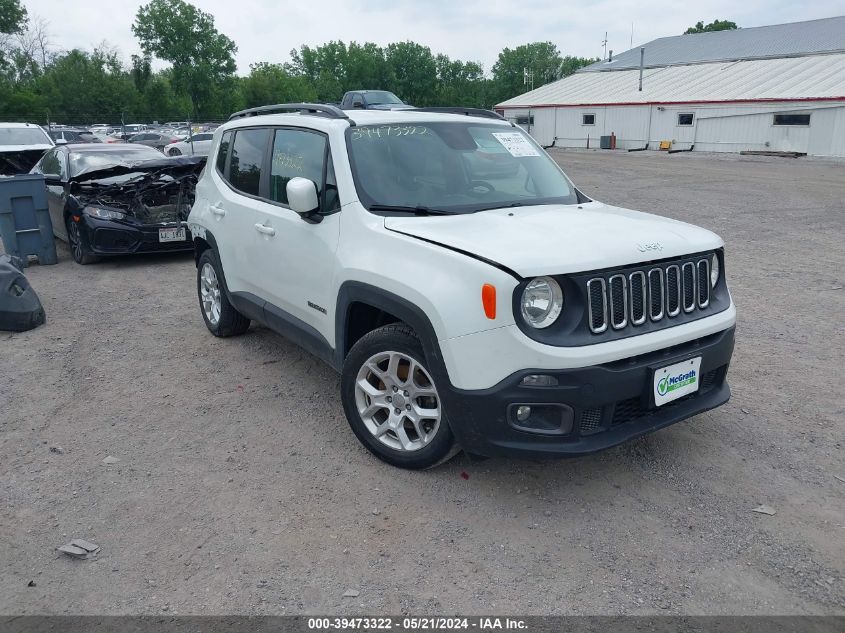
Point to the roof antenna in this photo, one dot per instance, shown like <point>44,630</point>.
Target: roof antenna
<point>632,36</point>
<point>604,46</point>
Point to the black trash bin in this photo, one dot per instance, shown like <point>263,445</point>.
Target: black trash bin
<point>20,307</point>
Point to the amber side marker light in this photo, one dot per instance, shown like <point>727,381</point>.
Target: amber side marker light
<point>488,300</point>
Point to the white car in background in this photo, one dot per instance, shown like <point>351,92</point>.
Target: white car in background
<point>21,146</point>
<point>198,145</point>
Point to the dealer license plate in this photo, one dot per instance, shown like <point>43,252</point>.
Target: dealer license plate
<point>171,235</point>
<point>676,381</point>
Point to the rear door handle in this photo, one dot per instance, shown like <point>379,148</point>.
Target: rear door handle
<point>265,230</point>
<point>217,210</point>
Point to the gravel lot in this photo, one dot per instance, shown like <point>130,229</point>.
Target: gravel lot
<point>241,489</point>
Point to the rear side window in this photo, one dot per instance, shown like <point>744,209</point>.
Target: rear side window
<point>247,158</point>
<point>296,154</point>
<point>51,165</point>
<point>223,153</point>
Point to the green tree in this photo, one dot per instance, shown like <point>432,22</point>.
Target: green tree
<point>12,21</point>
<point>413,72</point>
<point>459,83</point>
<point>324,67</point>
<point>12,17</point>
<point>715,25</point>
<point>366,67</point>
<point>201,57</point>
<point>570,64</point>
<point>540,60</point>
<point>141,71</point>
<point>272,83</point>
<point>79,87</point>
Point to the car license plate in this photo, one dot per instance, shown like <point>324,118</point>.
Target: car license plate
<point>171,235</point>
<point>675,381</point>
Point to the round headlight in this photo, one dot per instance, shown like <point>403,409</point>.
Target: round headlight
<point>714,270</point>
<point>542,302</point>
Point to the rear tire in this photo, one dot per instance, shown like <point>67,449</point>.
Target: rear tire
<point>221,318</point>
<point>174,151</point>
<point>391,401</point>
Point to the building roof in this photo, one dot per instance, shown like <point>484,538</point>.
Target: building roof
<point>780,40</point>
<point>787,79</point>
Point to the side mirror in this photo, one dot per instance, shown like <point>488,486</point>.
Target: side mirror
<point>61,141</point>
<point>302,195</point>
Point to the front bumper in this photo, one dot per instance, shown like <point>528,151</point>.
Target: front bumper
<point>117,237</point>
<point>610,403</point>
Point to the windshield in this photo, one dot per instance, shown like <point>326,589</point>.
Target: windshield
<point>81,162</point>
<point>23,136</point>
<point>453,168</point>
<point>382,97</point>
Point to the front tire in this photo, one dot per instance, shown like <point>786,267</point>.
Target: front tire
<point>174,151</point>
<point>392,402</point>
<point>78,250</point>
<point>221,318</point>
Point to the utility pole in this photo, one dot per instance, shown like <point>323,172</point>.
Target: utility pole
<point>528,77</point>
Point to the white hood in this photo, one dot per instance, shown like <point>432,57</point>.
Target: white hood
<point>558,239</point>
<point>25,148</point>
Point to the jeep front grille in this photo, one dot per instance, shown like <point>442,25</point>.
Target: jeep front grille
<point>689,286</point>
<point>655,294</point>
<point>617,301</point>
<point>703,283</point>
<point>597,294</point>
<point>638,295</point>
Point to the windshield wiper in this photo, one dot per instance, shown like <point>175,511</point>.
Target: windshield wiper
<point>417,210</point>
<point>509,205</point>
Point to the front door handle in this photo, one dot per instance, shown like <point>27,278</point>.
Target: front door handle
<point>217,210</point>
<point>265,230</point>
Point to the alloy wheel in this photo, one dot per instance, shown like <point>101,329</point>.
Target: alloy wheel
<point>74,240</point>
<point>210,294</point>
<point>398,401</point>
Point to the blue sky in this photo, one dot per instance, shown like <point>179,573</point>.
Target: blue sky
<point>266,30</point>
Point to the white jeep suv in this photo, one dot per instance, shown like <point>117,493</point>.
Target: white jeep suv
<point>469,294</point>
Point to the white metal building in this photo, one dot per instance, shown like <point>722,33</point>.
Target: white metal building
<point>776,88</point>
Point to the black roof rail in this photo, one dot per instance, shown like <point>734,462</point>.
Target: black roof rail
<point>487,114</point>
<point>330,111</point>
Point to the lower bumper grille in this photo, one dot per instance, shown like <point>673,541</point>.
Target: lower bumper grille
<point>633,410</point>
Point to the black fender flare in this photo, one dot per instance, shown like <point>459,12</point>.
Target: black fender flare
<point>355,291</point>
<point>208,237</point>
